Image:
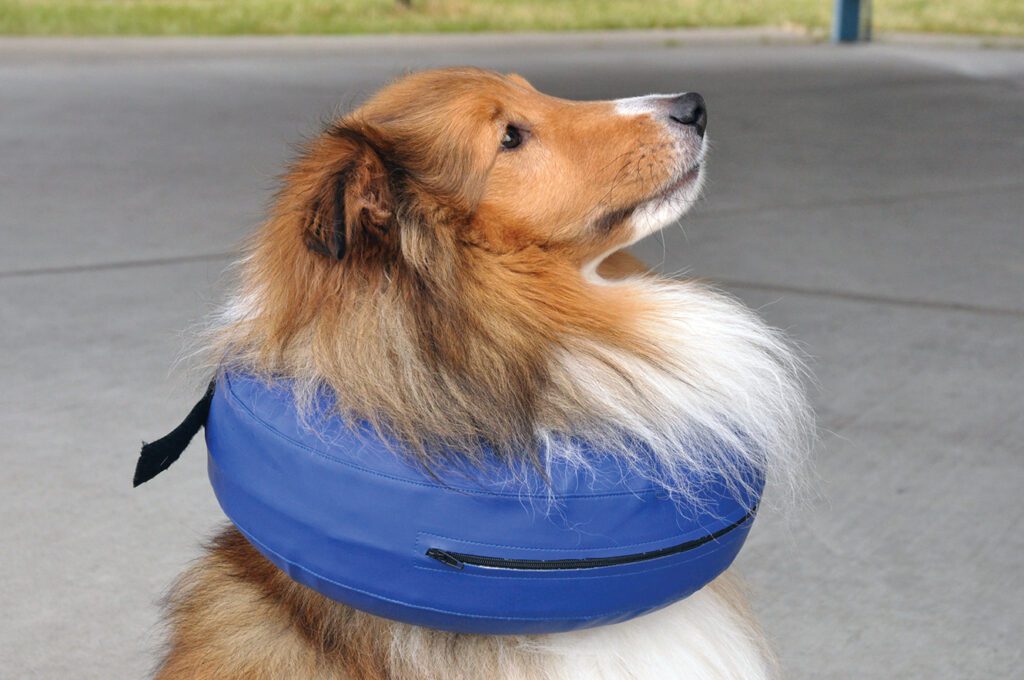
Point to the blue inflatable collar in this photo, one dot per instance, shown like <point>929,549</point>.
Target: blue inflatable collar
<point>475,550</point>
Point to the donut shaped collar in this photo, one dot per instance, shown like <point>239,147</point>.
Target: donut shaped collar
<point>483,549</point>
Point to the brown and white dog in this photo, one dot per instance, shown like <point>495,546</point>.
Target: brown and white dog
<point>448,258</point>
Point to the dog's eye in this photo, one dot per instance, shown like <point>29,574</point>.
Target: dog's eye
<point>513,137</point>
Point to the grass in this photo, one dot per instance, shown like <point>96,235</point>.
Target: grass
<point>234,17</point>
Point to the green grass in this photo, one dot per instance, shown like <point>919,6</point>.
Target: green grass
<point>233,17</point>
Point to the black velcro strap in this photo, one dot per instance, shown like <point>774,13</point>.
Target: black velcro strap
<point>157,456</point>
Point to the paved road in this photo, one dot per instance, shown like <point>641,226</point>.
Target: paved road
<point>870,200</point>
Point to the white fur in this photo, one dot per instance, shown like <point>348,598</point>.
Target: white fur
<point>724,390</point>
<point>700,638</point>
<point>240,307</point>
<point>648,103</point>
<point>659,212</point>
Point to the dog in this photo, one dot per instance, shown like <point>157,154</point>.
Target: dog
<point>449,260</point>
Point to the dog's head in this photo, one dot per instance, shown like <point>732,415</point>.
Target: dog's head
<point>431,254</point>
<point>496,165</point>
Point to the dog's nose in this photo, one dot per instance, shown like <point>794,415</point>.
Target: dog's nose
<point>689,109</point>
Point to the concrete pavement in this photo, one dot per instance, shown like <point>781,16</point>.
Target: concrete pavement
<point>870,200</point>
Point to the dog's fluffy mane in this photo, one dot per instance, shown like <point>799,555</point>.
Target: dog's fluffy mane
<point>444,344</point>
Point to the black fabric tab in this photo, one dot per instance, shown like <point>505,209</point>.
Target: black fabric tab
<point>157,456</point>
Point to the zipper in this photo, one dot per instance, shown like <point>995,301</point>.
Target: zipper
<point>459,560</point>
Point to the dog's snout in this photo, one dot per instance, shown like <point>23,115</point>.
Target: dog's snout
<point>689,109</point>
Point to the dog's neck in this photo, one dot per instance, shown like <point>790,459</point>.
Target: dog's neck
<point>523,352</point>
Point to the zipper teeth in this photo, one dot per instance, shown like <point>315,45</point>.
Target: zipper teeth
<point>457,559</point>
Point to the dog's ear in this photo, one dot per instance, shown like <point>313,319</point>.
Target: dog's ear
<point>350,212</point>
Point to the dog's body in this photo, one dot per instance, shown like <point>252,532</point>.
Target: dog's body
<point>447,260</point>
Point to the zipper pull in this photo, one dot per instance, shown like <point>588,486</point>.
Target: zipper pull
<point>445,558</point>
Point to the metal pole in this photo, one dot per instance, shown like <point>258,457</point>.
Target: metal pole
<point>851,22</point>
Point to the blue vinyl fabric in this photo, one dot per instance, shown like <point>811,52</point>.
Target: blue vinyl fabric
<point>340,512</point>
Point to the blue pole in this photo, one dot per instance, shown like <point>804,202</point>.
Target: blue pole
<point>846,21</point>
